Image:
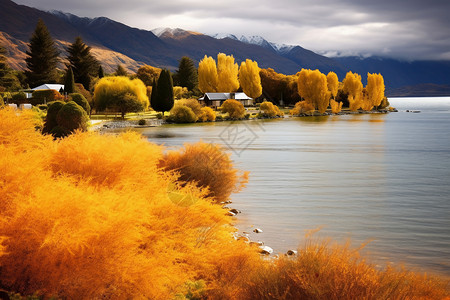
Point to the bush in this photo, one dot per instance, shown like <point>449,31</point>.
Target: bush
<point>72,117</point>
<point>192,104</point>
<point>45,96</point>
<point>270,110</point>
<point>141,122</point>
<point>234,108</point>
<point>182,114</point>
<point>42,106</point>
<point>19,96</point>
<point>159,116</point>
<point>50,119</point>
<point>336,107</point>
<point>208,114</point>
<point>81,101</point>
<point>207,166</point>
<point>302,108</point>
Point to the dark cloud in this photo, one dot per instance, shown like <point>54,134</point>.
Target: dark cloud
<point>409,29</point>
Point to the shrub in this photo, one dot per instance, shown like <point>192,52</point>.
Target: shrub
<point>192,104</point>
<point>81,101</point>
<point>207,114</point>
<point>72,117</point>
<point>234,108</point>
<point>208,166</point>
<point>336,107</point>
<point>302,108</point>
<point>19,96</point>
<point>45,96</point>
<point>141,122</point>
<point>182,114</point>
<point>270,110</point>
<point>1,101</point>
<point>50,119</point>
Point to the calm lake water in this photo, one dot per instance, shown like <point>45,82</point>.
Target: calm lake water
<point>378,177</point>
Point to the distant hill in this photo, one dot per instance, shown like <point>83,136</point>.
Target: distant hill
<point>115,43</point>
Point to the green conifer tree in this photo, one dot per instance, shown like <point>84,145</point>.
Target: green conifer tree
<point>42,57</point>
<point>8,78</point>
<point>120,71</point>
<point>84,65</point>
<point>101,73</point>
<point>163,100</point>
<point>69,82</point>
<point>187,74</point>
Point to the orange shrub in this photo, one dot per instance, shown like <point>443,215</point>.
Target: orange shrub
<point>336,107</point>
<point>208,166</point>
<point>302,107</point>
<point>268,109</point>
<point>208,114</point>
<point>96,218</point>
<point>234,108</point>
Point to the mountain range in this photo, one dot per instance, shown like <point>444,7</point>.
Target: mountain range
<point>115,43</point>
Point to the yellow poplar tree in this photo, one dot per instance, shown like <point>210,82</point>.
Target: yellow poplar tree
<point>313,87</point>
<point>207,75</point>
<point>375,88</point>
<point>352,85</point>
<point>249,78</point>
<point>227,71</point>
<point>332,83</point>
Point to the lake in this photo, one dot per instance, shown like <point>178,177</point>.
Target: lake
<point>383,178</point>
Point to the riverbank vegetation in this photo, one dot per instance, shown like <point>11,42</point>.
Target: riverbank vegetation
<point>102,216</point>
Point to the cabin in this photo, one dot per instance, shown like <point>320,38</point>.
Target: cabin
<point>217,99</point>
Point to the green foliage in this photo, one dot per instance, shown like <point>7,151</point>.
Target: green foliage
<point>163,99</point>
<point>84,65</point>
<point>52,111</point>
<point>101,73</point>
<point>2,103</point>
<point>120,71</point>
<point>8,78</point>
<point>72,117</point>
<point>182,114</point>
<point>42,58</point>
<point>69,82</point>
<point>81,101</point>
<point>119,93</point>
<point>19,96</point>
<point>187,74</point>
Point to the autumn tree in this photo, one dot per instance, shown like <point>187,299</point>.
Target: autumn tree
<point>162,97</point>
<point>279,87</point>
<point>312,86</point>
<point>249,78</point>
<point>227,72</point>
<point>69,82</point>
<point>84,65</point>
<point>375,89</point>
<point>147,74</point>
<point>352,86</point>
<point>120,94</point>
<point>42,57</point>
<point>207,75</point>
<point>187,74</point>
<point>332,84</point>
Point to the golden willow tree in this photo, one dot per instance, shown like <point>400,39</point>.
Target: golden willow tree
<point>333,86</point>
<point>249,78</point>
<point>375,89</point>
<point>313,87</point>
<point>207,75</point>
<point>227,71</point>
<point>353,87</point>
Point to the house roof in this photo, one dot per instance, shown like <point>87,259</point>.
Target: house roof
<point>225,96</point>
<point>49,86</point>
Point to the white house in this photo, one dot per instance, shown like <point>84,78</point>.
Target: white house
<point>47,86</point>
<point>216,99</point>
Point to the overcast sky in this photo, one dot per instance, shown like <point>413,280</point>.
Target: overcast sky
<point>408,29</point>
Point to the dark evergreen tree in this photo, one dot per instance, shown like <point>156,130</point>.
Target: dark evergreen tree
<point>8,78</point>
<point>187,75</point>
<point>84,65</point>
<point>69,82</point>
<point>101,73</point>
<point>153,95</point>
<point>42,57</point>
<point>163,100</point>
<point>120,71</point>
